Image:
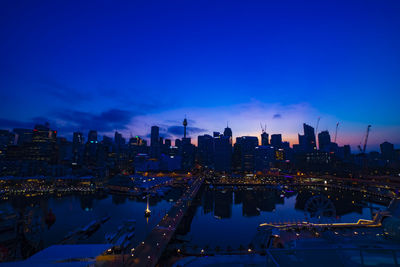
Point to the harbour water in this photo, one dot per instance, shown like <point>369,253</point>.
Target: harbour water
<point>220,216</point>
<point>230,216</point>
<point>73,212</point>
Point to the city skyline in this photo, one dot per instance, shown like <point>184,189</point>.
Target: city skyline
<point>179,135</point>
<point>126,69</point>
<point>200,133</point>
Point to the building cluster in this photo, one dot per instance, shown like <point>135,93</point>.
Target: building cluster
<point>39,151</point>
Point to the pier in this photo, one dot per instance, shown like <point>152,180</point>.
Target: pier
<point>149,251</point>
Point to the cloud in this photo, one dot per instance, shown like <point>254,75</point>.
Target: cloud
<point>11,124</point>
<point>106,121</point>
<point>277,116</point>
<point>176,130</point>
<point>244,119</point>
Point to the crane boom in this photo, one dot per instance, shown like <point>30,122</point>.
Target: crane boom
<point>337,125</point>
<point>366,139</point>
<point>316,128</point>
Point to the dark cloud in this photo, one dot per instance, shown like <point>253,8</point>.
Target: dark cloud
<point>109,120</point>
<point>277,116</point>
<point>11,124</point>
<point>72,120</point>
<point>178,130</point>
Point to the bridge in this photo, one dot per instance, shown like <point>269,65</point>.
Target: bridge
<point>150,250</point>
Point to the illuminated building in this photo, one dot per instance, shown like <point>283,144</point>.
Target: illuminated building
<point>92,136</point>
<point>247,146</point>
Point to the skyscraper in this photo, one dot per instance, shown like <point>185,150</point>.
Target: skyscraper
<point>118,139</point>
<point>184,127</point>
<point>222,153</point>
<point>77,138</point>
<point>264,157</point>
<point>228,133</point>
<point>264,139</point>
<point>22,136</point>
<point>307,141</point>
<point>205,145</point>
<point>324,141</point>
<point>309,133</point>
<point>387,150</point>
<point>247,145</point>
<point>155,142</point>
<point>276,140</point>
<point>92,136</point>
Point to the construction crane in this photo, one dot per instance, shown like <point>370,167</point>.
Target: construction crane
<point>362,150</point>
<point>263,129</point>
<point>316,128</point>
<point>337,125</point>
<point>316,132</point>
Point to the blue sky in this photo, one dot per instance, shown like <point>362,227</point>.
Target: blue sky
<point>128,65</point>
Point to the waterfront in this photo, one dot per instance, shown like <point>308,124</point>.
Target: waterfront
<point>72,212</point>
<point>230,216</point>
<point>220,217</point>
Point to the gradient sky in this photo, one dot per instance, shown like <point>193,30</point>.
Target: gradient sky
<point>128,65</point>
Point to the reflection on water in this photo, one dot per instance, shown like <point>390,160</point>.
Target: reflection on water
<point>230,215</point>
<point>28,225</point>
<point>218,216</point>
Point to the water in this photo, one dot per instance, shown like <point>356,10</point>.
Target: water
<point>227,216</point>
<point>76,211</point>
<point>219,216</point>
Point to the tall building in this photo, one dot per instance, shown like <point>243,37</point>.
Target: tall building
<point>77,138</point>
<point>178,142</point>
<point>216,134</point>
<point>118,139</point>
<point>222,153</point>
<point>264,157</point>
<point>91,157</point>
<point>228,133</point>
<point>43,146</point>
<point>155,142</point>
<point>264,139</point>
<point>107,141</point>
<point>324,141</point>
<point>247,145</point>
<point>237,156</point>
<point>92,136</point>
<point>22,136</point>
<point>168,142</point>
<point>42,134</point>
<point>276,140</point>
<point>205,150</point>
<point>188,154</point>
<point>185,123</point>
<point>307,141</point>
<point>387,151</point>
<point>6,139</point>
<point>77,148</point>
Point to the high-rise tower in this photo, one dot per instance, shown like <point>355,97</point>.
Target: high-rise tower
<point>184,127</point>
